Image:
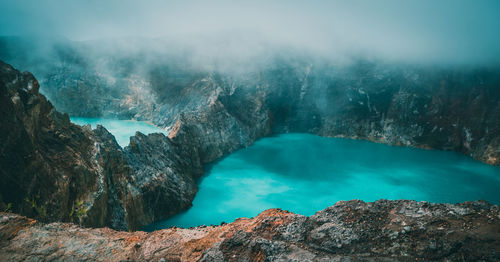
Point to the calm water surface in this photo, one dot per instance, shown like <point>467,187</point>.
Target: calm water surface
<point>121,129</point>
<point>305,173</point>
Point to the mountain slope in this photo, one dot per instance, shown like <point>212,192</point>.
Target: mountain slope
<point>54,170</point>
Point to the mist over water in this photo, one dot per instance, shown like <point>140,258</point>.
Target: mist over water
<point>305,173</point>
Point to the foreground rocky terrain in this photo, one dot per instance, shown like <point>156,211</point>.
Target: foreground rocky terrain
<point>348,231</point>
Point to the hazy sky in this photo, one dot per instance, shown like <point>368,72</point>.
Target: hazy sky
<point>448,30</point>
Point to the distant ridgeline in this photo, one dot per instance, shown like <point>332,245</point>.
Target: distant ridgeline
<point>432,106</point>
<point>54,170</point>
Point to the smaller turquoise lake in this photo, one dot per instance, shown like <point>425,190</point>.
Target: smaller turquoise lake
<point>305,173</point>
<point>121,129</point>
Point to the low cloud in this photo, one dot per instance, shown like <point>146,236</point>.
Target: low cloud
<point>425,31</point>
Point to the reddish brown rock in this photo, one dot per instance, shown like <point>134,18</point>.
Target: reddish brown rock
<point>348,231</point>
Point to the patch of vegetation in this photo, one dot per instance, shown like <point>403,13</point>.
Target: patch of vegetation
<point>8,208</point>
<point>77,210</point>
<point>40,209</point>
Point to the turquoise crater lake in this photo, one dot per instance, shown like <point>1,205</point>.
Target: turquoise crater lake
<point>305,173</point>
<point>122,130</point>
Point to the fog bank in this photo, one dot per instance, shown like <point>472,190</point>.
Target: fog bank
<point>446,31</point>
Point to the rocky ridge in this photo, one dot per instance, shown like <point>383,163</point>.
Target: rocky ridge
<point>348,231</point>
<point>430,106</point>
<point>445,110</point>
<point>54,170</point>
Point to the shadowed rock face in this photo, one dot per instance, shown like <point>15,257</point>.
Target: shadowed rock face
<point>54,170</point>
<point>348,231</point>
<point>47,165</point>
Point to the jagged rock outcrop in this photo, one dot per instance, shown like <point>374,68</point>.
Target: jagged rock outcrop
<point>348,231</point>
<point>455,110</point>
<point>49,167</point>
<point>53,170</point>
<point>165,175</point>
<point>432,106</point>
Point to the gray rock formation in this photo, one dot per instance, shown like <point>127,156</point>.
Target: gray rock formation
<point>408,106</point>
<point>441,107</point>
<point>348,231</point>
<point>54,170</point>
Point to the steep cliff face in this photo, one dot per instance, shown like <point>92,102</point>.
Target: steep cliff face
<point>164,174</point>
<point>432,108</point>
<point>48,165</point>
<point>348,231</point>
<point>448,107</point>
<point>445,109</point>
<point>54,170</point>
